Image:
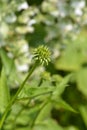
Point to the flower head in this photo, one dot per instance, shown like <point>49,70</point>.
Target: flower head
<point>42,55</point>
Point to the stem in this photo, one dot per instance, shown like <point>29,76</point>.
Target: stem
<point>42,107</point>
<point>32,97</point>
<point>18,114</point>
<point>12,101</point>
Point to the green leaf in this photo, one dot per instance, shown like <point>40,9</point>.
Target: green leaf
<point>72,57</point>
<point>44,113</point>
<point>35,91</point>
<point>48,124</point>
<point>82,81</point>
<point>4,92</point>
<point>60,103</point>
<point>9,67</point>
<point>7,62</point>
<point>61,86</point>
<point>71,128</point>
<point>83,112</point>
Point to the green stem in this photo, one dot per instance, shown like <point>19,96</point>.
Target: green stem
<point>29,98</point>
<point>18,114</point>
<point>8,108</point>
<point>35,119</point>
<point>32,97</point>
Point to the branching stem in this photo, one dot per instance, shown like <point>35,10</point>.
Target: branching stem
<point>12,101</point>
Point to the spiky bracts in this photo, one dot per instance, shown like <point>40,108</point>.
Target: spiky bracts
<point>42,55</point>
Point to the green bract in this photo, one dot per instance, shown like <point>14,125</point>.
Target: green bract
<point>42,55</point>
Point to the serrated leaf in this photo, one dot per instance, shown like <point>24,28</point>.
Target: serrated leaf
<point>35,90</point>
<point>61,86</point>
<point>4,91</point>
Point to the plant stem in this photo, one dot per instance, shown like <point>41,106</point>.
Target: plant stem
<point>8,108</point>
<point>49,92</point>
<point>32,97</point>
<point>18,114</point>
<point>35,119</point>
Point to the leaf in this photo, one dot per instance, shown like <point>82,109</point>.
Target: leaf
<point>35,91</point>
<point>61,86</point>
<point>48,124</point>
<point>4,92</point>
<point>9,67</point>
<point>28,115</point>
<point>83,112</point>
<point>60,103</point>
<point>71,128</point>
<point>82,81</point>
<point>44,113</point>
<point>7,62</point>
<point>73,56</point>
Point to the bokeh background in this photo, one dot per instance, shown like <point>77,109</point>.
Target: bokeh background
<point>62,26</point>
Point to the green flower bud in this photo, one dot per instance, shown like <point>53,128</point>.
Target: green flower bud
<point>42,55</point>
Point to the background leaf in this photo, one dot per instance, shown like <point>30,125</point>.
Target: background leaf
<point>4,91</point>
<point>48,125</point>
<point>82,81</point>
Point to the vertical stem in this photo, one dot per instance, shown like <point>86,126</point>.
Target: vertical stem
<point>15,96</point>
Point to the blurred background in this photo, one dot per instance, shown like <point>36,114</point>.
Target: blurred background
<point>62,26</point>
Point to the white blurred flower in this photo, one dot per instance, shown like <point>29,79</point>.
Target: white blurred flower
<point>31,22</point>
<point>81,4</point>
<point>56,53</point>
<point>68,27</point>
<point>78,12</point>
<point>55,13</point>
<point>23,6</point>
<point>4,29</point>
<point>10,55</point>
<point>25,48</point>
<point>78,4</point>
<point>11,18</point>
<point>22,68</point>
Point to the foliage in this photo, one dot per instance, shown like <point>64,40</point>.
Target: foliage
<point>55,96</point>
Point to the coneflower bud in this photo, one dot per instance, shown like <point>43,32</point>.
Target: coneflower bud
<point>42,55</point>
